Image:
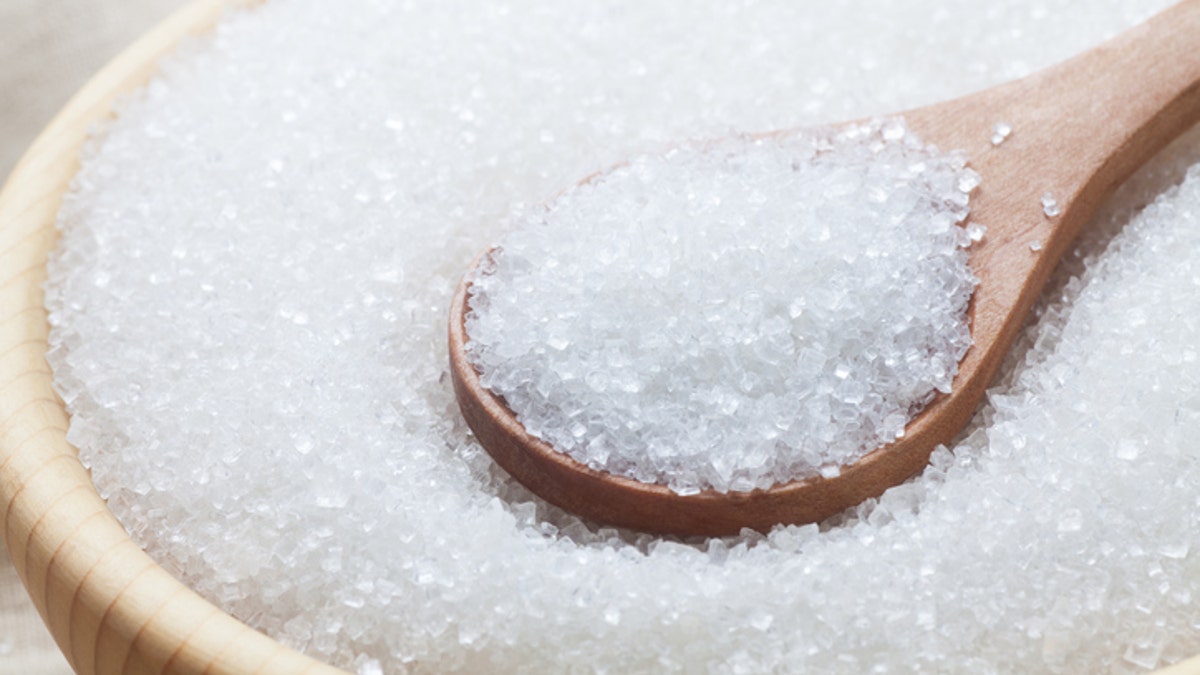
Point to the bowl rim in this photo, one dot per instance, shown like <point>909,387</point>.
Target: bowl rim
<point>110,608</point>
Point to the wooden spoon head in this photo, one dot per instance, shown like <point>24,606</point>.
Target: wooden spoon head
<point>624,502</point>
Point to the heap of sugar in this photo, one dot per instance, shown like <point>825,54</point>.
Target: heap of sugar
<point>733,314</point>
<point>249,310</point>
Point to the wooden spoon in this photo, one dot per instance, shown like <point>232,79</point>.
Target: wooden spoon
<point>1079,129</point>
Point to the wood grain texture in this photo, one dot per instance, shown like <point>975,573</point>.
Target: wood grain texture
<point>1079,129</point>
<point>109,606</point>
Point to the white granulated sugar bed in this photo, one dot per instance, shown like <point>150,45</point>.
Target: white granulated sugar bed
<point>249,309</point>
<point>733,314</point>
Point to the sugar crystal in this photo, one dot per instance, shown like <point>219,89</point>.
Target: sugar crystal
<point>1050,205</point>
<point>1000,132</point>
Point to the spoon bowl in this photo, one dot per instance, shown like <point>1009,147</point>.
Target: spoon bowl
<point>1078,130</point>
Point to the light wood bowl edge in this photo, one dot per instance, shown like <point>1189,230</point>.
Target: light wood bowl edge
<point>110,608</point>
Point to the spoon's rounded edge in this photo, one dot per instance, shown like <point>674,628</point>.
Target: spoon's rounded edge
<point>624,502</point>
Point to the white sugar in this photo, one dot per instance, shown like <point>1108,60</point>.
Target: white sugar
<point>736,314</point>
<point>1050,205</point>
<point>342,163</point>
<point>1000,132</point>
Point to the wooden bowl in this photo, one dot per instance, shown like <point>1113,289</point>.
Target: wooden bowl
<point>109,606</point>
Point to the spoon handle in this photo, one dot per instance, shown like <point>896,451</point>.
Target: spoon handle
<point>1098,117</point>
<point>1129,99</point>
<point>1082,127</point>
<point>1078,129</point>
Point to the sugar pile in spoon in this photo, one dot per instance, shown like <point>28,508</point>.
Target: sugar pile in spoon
<point>734,314</point>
